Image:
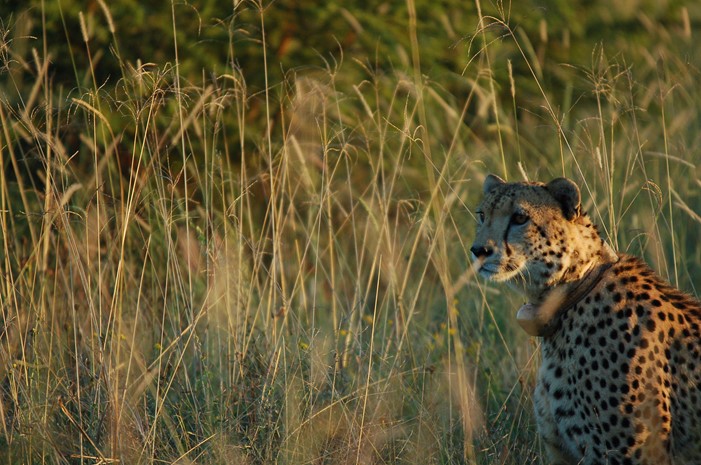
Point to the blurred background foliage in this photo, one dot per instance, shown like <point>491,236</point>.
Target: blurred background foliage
<point>215,35</point>
<point>546,61</point>
<point>549,64</point>
<point>559,38</point>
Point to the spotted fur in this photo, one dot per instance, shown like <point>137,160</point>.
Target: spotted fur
<point>620,377</point>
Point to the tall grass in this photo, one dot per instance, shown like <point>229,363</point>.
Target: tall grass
<point>197,271</point>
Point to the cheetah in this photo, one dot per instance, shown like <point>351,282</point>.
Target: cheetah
<point>620,374</point>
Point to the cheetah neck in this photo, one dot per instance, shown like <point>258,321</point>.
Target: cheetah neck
<point>585,263</point>
<point>544,318</point>
<point>585,251</point>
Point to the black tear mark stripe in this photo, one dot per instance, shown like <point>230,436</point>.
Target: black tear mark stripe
<point>507,249</point>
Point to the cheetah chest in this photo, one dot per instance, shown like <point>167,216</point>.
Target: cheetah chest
<point>619,378</point>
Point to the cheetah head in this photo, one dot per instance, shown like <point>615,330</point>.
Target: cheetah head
<point>524,232</point>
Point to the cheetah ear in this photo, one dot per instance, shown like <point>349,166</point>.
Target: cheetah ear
<point>491,182</point>
<point>567,194</point>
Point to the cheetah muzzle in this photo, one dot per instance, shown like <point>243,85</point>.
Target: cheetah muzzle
<point>621,348</point>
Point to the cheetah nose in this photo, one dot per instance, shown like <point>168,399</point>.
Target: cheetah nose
<point>481,251</point>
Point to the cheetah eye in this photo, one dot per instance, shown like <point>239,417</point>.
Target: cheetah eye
<point>480,217</point>
<point>519,218</point>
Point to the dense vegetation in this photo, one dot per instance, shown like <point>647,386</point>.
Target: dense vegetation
<point>239,232</point>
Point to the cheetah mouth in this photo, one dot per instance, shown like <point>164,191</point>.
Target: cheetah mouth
<point>486,270</point>
<point>497,272</point>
